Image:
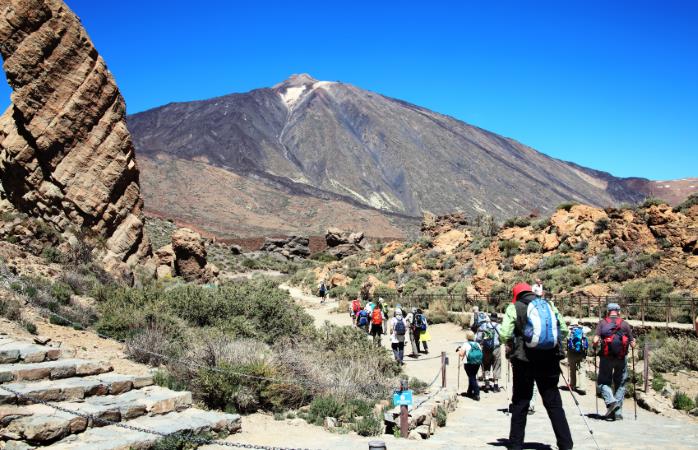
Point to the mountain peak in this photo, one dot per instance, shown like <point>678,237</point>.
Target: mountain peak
<point>296,80</point>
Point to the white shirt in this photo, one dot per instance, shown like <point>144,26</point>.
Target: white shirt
<point>537,289</point>
<point>394,338</point>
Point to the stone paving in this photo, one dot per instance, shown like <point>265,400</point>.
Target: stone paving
<point>91,389</point>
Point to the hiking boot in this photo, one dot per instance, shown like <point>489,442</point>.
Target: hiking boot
<point>476,397</point>
<point>611,408</point>
<point>581,391</point>
<point>496,388</point>
<point>618,417</point>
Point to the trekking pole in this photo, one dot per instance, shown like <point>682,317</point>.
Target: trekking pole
<point>458,367</point>
<point>634,384</point>
<point>580,409</point>
<point>596,383</point>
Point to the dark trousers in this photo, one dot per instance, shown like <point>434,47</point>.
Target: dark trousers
<point>473,386</point>
<point>546,375</point>
<point>398,350</point>
<point>417,334</point>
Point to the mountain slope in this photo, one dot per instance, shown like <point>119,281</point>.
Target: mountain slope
<point>335,140</point>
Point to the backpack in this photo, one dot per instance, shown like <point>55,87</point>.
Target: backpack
<point>475,354</point>
<point>577,342</point>
<point>420,322</point>
<point>356,305</point>
<point>363,318</point>
<point>479,319</point>
<point>377,316</point>
<point>322,289</point>
<point>615,342</point>
<point>488,338</point>
<point>542,328</point>
<point>400,327</point>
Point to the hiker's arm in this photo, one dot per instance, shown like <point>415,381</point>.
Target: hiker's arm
<point>564,331</point>
<point>507,330</point>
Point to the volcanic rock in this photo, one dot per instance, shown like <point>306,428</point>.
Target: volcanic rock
<point>292,247</point>
<point>66,155</point>
<point>190,255</point>
<point>344,243</point>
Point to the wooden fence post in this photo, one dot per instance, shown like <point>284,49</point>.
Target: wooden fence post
<point>646,357</point>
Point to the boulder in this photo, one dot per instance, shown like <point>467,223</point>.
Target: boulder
<point>190,255</point>
<point>165,255</point>
<point>293,247</point>
<point>344,243</point>
<point>66,155</point>
<point>235,249</point>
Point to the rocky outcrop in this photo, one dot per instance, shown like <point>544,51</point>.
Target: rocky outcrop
<point>189,255</point>
<point>341,244</point>
<point>66,155</point>
<point>293,247</point>
<point>433,225</point>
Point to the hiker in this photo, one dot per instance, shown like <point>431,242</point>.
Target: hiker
<point>613,337</point>
<point>398,330</point>
<point>322,291</point>
<point>354,310</point>
<point>533,328</point>
<point>377,319</point>
<point>420,331</point>
<point>477,319</point>
<point>363,320</point>
<point>577,346</point>
<point>414,336</point>
<point>537,287</point>
<point>471,353</point>
<point>488,338</point>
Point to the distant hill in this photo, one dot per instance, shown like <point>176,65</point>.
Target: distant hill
<point>332,144</point>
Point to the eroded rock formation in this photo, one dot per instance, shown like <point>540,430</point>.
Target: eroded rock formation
<point>293,247</point>
<point>66,155</point>
<point>341,244</point>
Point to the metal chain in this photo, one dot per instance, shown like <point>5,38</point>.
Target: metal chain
<point>193,439</point>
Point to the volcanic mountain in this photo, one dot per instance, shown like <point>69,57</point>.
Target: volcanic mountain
<point>305,154</point>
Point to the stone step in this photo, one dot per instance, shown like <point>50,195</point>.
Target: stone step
<point>72,389</point>
<point>62,368</point>
<point>40,424</point>
<point>116,438</point>
<point>12,351</point>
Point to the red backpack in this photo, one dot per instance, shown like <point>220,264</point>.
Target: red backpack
<point>377,316</point>
<point>615,342</point>
<point>356,305</point>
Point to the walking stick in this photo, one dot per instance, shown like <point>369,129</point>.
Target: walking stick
<point>596,388</point>
<point>458,367</point>
<point>634,384</point>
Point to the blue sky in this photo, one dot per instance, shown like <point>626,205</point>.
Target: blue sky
<point>609,85</point>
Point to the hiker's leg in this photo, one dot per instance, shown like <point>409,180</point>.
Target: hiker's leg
<point>547,375</point>
<point>521,397</point>
<point>395,351</point>
<point>572,364</point>
<point>620,378</point>
<point>486,366</point>
<point>401,350</point>
<point>426,347</point>
<point>605,380</point>
<point>473,386</point>
<point>497,365</point>
<point>581,373</point>
<point>413,343</point>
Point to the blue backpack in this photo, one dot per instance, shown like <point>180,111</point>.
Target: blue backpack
<point>475,354</point>
<point>363,318</point>
<point>577,342</point>
<point>542,327</point>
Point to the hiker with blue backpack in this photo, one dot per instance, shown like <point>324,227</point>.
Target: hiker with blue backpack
<point>471,354</point>
<point>613,338</point>
<point>421,331</point>
<point>577,349</point>
<point>398,330</point>
<point>488,338</point>
<point>534,330</point>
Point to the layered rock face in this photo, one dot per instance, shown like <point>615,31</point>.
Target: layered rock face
<point>66,155</point>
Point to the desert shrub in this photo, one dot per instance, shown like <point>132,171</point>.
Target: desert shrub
<point>564,248</point>
<point>417,385</point>
<point>390,264</point>
<point>29,326</point>
<point>323,257</point>
<point>692,200</point>
<point>441,416</point>
<point>683,402</point>
<point>566,205</point>
<point>658,382</point>
<point>431,264</point>
<point>556,260</point>
<point>61,292</point>
<point>564,278</point>
<point>541,224</point>
<point>155,340</point>
<point>52,255</point>
<point>324,406</point>
<point>675,354</point>
<point>479,244</point>
<point>509,247</point>
<point>601,225</point>
<point>438,312</point>
<point>486,226</point>
<point>425,242</point>
<point>652,201</point>
<point>10,308</point>
<point>369,425</point>
<point>517,221</point>
<point>164,378</point>
<point>449,263</point>
<point>581,246</point>
<point>625,266</point>
<point>533,246</point>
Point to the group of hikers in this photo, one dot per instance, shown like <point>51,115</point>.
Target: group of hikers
<point>534,338</point>
<point>533,333</point>
<point>373,319</point>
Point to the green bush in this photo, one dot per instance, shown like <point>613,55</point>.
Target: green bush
<point>29,326</point>
<point>441,416</point>
<point>658,382</point>
<point>675,354</point>
<point>509,247</point>
<point>533,246</point>
<point>165,379</point>
<point>683,402</point>
<point>369,425</point>
<point>567,206</point>
<point>323,257</point>
<point>61,292</point>
<point>556,260</point>
<point>652,201</point>
<point>601,225</point>
<point>692,200</point>
<point>52,255</point>
<point>480,244</point>
<point>325,406</point>
<point>541,224</point>
<point>517,221</point>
